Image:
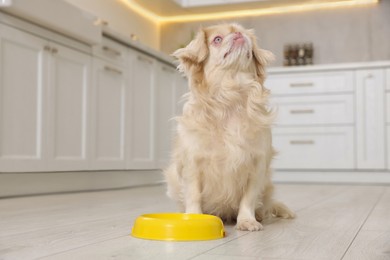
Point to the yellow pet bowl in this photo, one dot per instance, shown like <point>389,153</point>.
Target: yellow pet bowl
<point>178,227</point>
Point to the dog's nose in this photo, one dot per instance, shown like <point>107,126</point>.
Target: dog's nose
<point>237,35</point>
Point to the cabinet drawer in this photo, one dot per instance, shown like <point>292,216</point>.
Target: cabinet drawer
<point>314,148</point>
<point>310,110</point>
<point>111,51</point>
<point>341,81</point>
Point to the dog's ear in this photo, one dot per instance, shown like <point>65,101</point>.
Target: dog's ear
<point>194,54</point>
<point>261,58</point>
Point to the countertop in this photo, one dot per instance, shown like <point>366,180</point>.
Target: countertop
<point>327,67</point>
<point>112,34</point>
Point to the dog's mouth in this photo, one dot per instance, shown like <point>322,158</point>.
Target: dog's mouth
<point>248,54</point>
<point>238,41</point>
<point>228,52</point>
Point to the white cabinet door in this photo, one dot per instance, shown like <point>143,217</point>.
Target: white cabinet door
<point>109,94</point>
<point>388,146</point>
<point>142,125</point>
<point>388,116</point>
<point>165,111</point>
<point>23,66</point>
<point>68,91</point>
<point>370,118</point>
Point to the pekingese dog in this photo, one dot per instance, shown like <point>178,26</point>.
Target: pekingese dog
<point>223,150</point>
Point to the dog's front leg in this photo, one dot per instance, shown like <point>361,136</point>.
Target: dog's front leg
<point>246,219</point>
<point>192,190</point>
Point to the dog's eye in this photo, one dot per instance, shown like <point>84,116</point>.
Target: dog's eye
<point>217,39</point>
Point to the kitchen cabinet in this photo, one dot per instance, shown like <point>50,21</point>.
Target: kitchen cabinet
<point>314,147</point>
<point>388,146</point>
<point>169,88</point>
<point>23,87</point>
<point>110,106</point>
<point>330,117</point>
<point>71,111</point>
<point>315,110</point>
<point>156,89</point>
<point>143,127</point>
<point>109,112</point>
<point>370,115</point>
<point>315,118</point>
<point>68,109</point>
<point>44,92</point>
<point>316,82</point>
<point>165,111</point>
<point>388,116</point>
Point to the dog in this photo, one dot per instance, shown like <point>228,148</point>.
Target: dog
<point>223,149</point>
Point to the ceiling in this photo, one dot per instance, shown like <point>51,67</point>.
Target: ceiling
<point>171,10</point>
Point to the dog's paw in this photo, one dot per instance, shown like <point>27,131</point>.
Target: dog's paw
<point>288,214</point>
<point>282,211</point>
<point>249,225</point>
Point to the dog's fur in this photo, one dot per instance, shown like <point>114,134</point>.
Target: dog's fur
<point>223,150</point>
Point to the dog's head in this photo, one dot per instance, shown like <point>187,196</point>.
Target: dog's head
<point>223,47</point>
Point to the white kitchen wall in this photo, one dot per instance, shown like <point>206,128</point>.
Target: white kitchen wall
<point>123,20</point>
<point>353,34</point>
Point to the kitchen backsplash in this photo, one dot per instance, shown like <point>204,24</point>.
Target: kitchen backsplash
<point>354,34</point>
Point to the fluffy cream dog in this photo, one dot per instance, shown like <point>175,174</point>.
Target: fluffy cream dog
<point>223,151</point>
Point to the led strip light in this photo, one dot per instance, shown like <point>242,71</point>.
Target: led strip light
<point>241,13</point>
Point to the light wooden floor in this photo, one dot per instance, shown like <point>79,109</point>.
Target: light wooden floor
<point>334,222</point>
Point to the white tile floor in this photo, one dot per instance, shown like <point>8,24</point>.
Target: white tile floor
<point>334,222</point>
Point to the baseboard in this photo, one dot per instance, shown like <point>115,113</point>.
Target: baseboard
<point>22,184</point>
<point>347,177</point>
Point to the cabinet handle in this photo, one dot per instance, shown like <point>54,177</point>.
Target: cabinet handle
<point>302,85</point>
<point>112,51</point>
<point>301,142</point>
<point>50,49</point>
<point>142,58</point>
<point>302,111</point>
<point>111,69</point>
<point>167,69</point>
<point>100,22</point>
